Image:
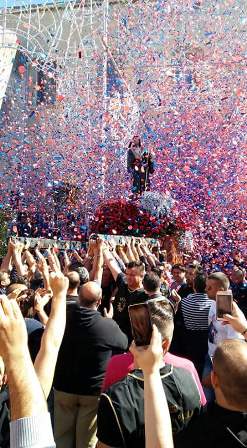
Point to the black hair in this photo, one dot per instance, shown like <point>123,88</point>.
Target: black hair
<point>179,266</point>
<point>200,282</point>
<point>151,282</point>
<point>136,264</point>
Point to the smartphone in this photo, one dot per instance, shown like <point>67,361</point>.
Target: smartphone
<point>223,304</point>
<point>141,324</point>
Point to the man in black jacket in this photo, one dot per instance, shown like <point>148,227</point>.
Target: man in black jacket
<point>224,422</point>
<point>88,344</point>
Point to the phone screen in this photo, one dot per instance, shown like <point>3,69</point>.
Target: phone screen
<point>141,324</point>
<point>223,305</point>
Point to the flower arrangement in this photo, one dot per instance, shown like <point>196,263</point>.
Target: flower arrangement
<point>120,217</point>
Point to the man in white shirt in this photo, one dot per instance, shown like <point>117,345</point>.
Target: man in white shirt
<point>218,331</point>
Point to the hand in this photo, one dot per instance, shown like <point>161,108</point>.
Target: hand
<point>109,314</point>
<point>132,241</point>
<point>236,320</point>
<point>91,247</point>
<point>100,244</point>
<point>149,358</point>
<point>13,332</point>
<point>12,244</point>
<point>43,266</point>
<point>41,298</point>
<point>58,283</point>
<point>175,296</point>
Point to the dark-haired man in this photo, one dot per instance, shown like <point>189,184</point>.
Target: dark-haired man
<point>121,408</point>
<point>151,284</point>
<point>74,284</point>
<point>218,332</point>
<point>130,290</point>
<point>178,273</point>
<point>224,422</point>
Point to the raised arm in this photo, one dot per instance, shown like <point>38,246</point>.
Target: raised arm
<point>134,250</point>
<point>17,260</point>
<point>111,263</point>
<point>151,259</point>
<point>30,422</point>
<point>43,268</point>
<point>6,263</point>
<point>237,320</point>
<point>121,254</point>
<point>67,262</point>
<point>129,252</point>
<point>98,262</point>
<point>52,262</point>
<point>54,253</point>
<point>46,359</point>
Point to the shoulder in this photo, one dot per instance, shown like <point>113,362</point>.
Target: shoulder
<point>121,280</point>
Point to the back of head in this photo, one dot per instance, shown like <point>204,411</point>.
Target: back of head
<point>26,303</point>
<point>200,283</point>
<point>238,275</point>
<point>221,279</point>
<point>83,274</point>
<point>90,295</point>
<point>151,282</point>
<point>74,279</point>
<point>162,316</point>
<point>230,367</point>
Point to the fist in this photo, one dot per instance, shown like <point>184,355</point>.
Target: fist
<point>58,283</point>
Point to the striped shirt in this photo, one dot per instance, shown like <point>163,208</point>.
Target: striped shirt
<point>195,309</point>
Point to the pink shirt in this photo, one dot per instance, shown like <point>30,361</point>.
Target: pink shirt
<point>120,365</point>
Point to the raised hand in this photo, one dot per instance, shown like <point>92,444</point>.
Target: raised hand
<point>41,298</point>
<point>59,283</point>
<point>149,358</point>
<point>13,332</point>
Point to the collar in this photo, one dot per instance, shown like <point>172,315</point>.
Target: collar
<point>130,291</point>
<point>164,372</point>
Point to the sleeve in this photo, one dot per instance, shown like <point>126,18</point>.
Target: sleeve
<point>120,281</point>
<point>119,340</point>
<point>199,385</point>
<point>32,432</point>
<point>121,265</point>
<point>108,428</point>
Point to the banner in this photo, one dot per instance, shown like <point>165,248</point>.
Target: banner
<point>44,243</point>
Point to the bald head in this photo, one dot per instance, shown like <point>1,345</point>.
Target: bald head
<point>230,367</point>
<point>90,295</point>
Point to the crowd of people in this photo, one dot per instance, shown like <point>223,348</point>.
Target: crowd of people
<point>71,375</point>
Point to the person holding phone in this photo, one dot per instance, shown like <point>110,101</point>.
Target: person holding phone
<point>218,332</point>
<point>121,407</point>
